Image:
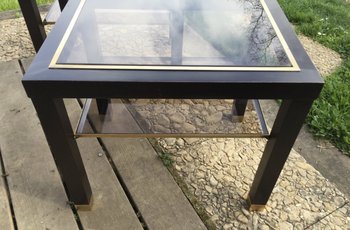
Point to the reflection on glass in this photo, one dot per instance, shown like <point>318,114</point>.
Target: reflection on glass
<point>174,32</point>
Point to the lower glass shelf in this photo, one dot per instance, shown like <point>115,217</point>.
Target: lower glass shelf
<point>170,118</point>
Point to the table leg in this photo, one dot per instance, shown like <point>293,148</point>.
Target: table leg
<point>102,105</point>
<point>34,23</point>
<point>58,131</point>
<point>285,130</point>
<point>238,109</point>
<point>62,3</point>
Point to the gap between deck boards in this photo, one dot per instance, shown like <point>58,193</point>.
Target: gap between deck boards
<point>7,215</point>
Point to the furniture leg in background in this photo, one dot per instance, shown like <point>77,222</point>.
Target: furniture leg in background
<point>62,3</point>
<point>238,109</point>
<point>34,23</point>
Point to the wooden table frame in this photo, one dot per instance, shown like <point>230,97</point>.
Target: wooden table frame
<point>47,88</point>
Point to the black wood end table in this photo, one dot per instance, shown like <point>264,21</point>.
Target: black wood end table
<point>172,50</point>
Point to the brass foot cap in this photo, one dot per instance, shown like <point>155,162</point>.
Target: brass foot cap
<point>85,207</point>
<point>236,118</point>
<point>255,207</point>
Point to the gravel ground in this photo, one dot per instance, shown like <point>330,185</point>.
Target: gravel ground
<point>15,42</point>
<point>192,116</point>
<point>219,172</point>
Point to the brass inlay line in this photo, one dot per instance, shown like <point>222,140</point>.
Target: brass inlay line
<point>66,35</point>
<point>170,135</point>
<point>54,65</point>
<point>280,36</point>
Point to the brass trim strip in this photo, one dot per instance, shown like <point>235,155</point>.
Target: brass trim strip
<point>85,207</point>
<point>54,65</point>
<point>66,35</point>
<point>204,68</point>
<point>169,135</point>
<point>280,36</point>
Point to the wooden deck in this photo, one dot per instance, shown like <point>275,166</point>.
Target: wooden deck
<point>131,187</point>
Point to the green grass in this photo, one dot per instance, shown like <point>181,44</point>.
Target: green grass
<point>166,158</point>
<point>13,4</point>
<point>328,22</point>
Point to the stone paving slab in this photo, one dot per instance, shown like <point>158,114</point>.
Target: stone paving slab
<point>219,172</point>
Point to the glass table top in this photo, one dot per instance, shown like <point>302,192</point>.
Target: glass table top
<point>174,35</point>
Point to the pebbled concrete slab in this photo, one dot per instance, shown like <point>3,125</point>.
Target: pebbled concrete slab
<point>219,172</point>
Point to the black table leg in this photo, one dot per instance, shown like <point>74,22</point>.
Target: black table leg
<point>102,105</point>
<point>34,23</point>
<point>238,109</point>
<point>62,3</point>
<point>285,130</point>
<point>58,131</point>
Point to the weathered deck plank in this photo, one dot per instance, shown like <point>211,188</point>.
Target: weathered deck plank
<point>158,197</point>
<point>38,196</point>
<point>5,211</point>
<point>111,208</point>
